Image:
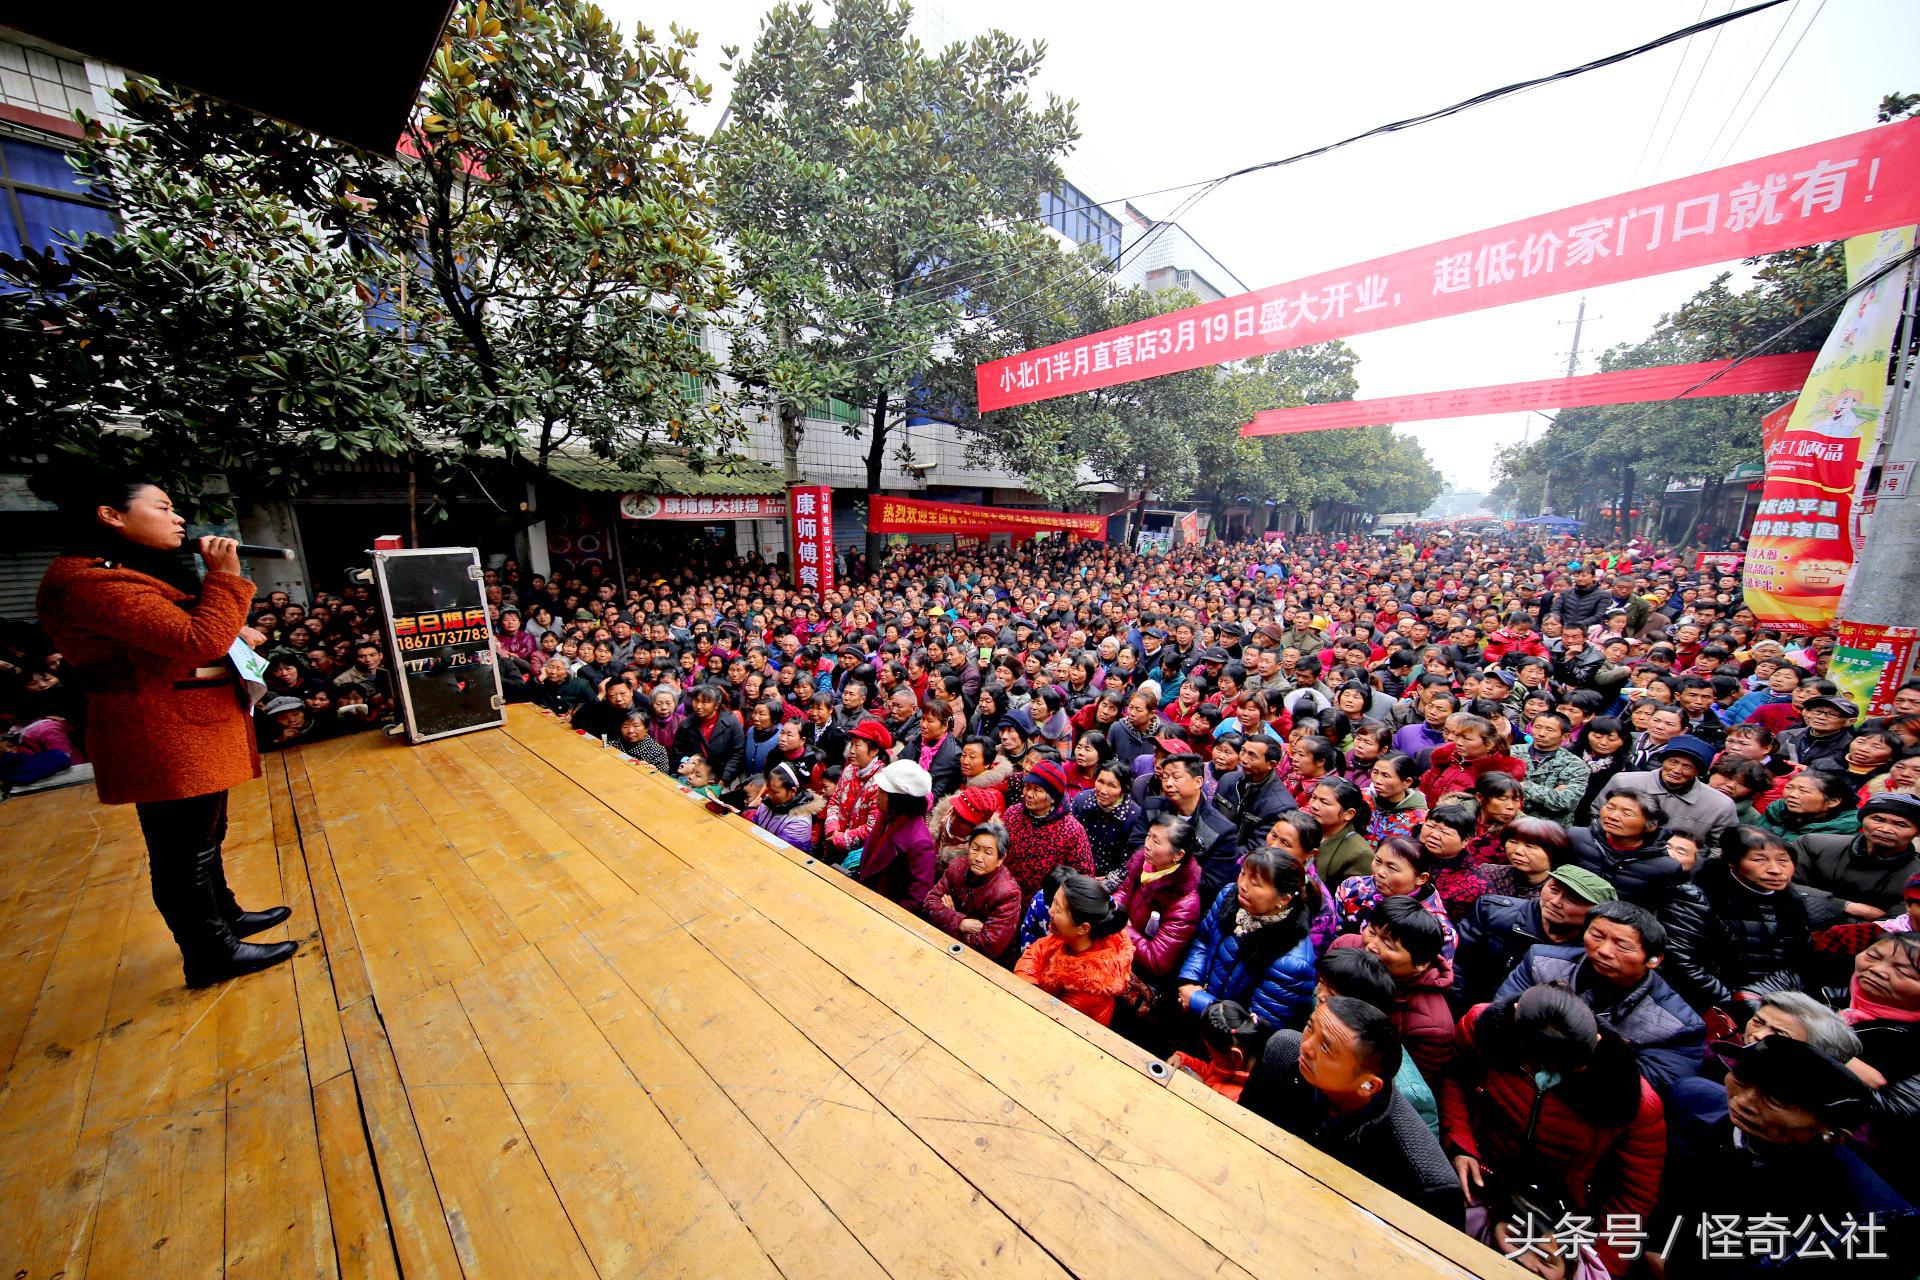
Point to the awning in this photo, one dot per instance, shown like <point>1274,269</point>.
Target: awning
<point>669,474</point>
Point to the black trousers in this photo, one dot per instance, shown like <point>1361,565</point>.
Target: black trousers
<point>178,829</point>
<point>180,836</point>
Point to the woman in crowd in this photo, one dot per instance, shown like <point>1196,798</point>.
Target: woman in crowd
<point>787,809</point>
<point>1752,936</point>
<point>1398,805</point>
<point>1540,1096</point>
<point>1110,818</point>
<point>977,900</point>
<point>1343,813</point>
<point>1086,958</point>
<point>1444,835</point>
<point>1254,944</point>
<point>1041,833</point>
<point>1498,800</point>
<point>1530,848</point>
<point>1160,892</point>
<point>897,861</point>
<point>1605,747</point>
<point>1401,867</point>
<point>1814,802</point>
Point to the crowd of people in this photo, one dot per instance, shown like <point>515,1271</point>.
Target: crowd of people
<point>1530,878</point>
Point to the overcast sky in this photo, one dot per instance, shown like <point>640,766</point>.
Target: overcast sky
<point>1171,93</point>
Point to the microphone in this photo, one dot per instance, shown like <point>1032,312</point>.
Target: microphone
<point>250,552</point>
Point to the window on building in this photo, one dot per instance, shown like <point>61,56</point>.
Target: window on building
<point>45,201</point>
<point>1074,215</point>
<point>833,409</point>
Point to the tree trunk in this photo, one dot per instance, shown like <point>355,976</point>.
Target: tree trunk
<point>1709,494</point>
<point>792,419</point>
<point>876,463</point>
<point>1625,521</point>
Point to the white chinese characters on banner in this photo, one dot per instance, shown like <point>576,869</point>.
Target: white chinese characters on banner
<point>1825,191</point>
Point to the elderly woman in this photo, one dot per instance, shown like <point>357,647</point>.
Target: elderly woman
<point>898,861</point>
<point>977,900</point>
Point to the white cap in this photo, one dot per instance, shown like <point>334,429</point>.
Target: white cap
<point>905,778</point>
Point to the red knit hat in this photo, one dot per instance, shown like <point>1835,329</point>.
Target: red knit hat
<point>977,804</point>
<point>1049,777</point>
<point>875,732</point>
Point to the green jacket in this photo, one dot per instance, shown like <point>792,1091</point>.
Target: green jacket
<point>1777,820</point>
<point>1555,783</point>
<point>1342,856</point>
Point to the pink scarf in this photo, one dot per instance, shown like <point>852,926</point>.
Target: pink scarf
<point>1863,1008</point>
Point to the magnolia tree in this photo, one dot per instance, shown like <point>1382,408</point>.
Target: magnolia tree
<point>532,271</point>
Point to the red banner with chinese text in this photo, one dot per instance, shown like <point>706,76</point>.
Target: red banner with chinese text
<point>1828,191</point>
<point>1623,386</point>
<point>810,535</point>
<point>913,515</point>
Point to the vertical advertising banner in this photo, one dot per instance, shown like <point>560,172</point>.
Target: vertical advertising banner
<point>1869,662</point>
<point>1800,552</point>
<point>810,534</point>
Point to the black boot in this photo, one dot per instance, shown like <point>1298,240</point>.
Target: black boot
<point>209,952</point>
<point>244,924</point>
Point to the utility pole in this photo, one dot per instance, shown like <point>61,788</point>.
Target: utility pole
<point>1573,363</point>
<point>1886,576</point>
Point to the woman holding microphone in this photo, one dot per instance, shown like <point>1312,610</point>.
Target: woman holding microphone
<point>167,725</point>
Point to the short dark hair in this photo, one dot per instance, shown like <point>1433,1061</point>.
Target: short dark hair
<point>1376,1043</point>
<point>1357,972</point>
<point>1415,928</point>
<point>1653,934</point>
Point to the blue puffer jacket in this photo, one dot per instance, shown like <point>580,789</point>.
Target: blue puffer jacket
<point>1280,997</point>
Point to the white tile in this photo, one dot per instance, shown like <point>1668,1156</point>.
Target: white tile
<point>42,64</point>
<point>12,56</point>
<point>18,87</point>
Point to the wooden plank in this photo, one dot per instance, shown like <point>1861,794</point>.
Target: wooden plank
<point>504,1213</point>
<point>543,877</point>
<point>161,1200</point>
<point>1080,1212</point>
<point>50,1190</point>
<point>277,1224</point>
<point>326,1045</point>
<point>346,967</point>
<point>1147,1139</point>
<point>422,1239</point>
<point>47,1085</point>
<point>909,1208</point>
<point>170,1050</point>
<point>788,1219</point>
<point>640,1202</point>
<point>363,1246</point>
<point>409,936</point>
<point>44,863</point>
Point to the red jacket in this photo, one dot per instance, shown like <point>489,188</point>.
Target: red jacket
<point>157,729</point>
<point>1175,897</point>
<point>1776,717</point>
<point>1421,1015</point>
<point>1503,642</point>
<point>994,902</point>
<point>1450,773</point>
<point>1601,1132</point>
<point>1035,848</point>
<point>852,808</point>
<point>1088,981</point>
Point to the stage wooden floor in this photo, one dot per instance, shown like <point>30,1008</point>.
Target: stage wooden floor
<point>551,1019</point>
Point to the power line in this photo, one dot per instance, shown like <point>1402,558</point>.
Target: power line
<point>1679,65</point>
<point>1734,109</point>
<point>1734,141</point>
<point>1679,119</point>
<point>1396,126</point>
